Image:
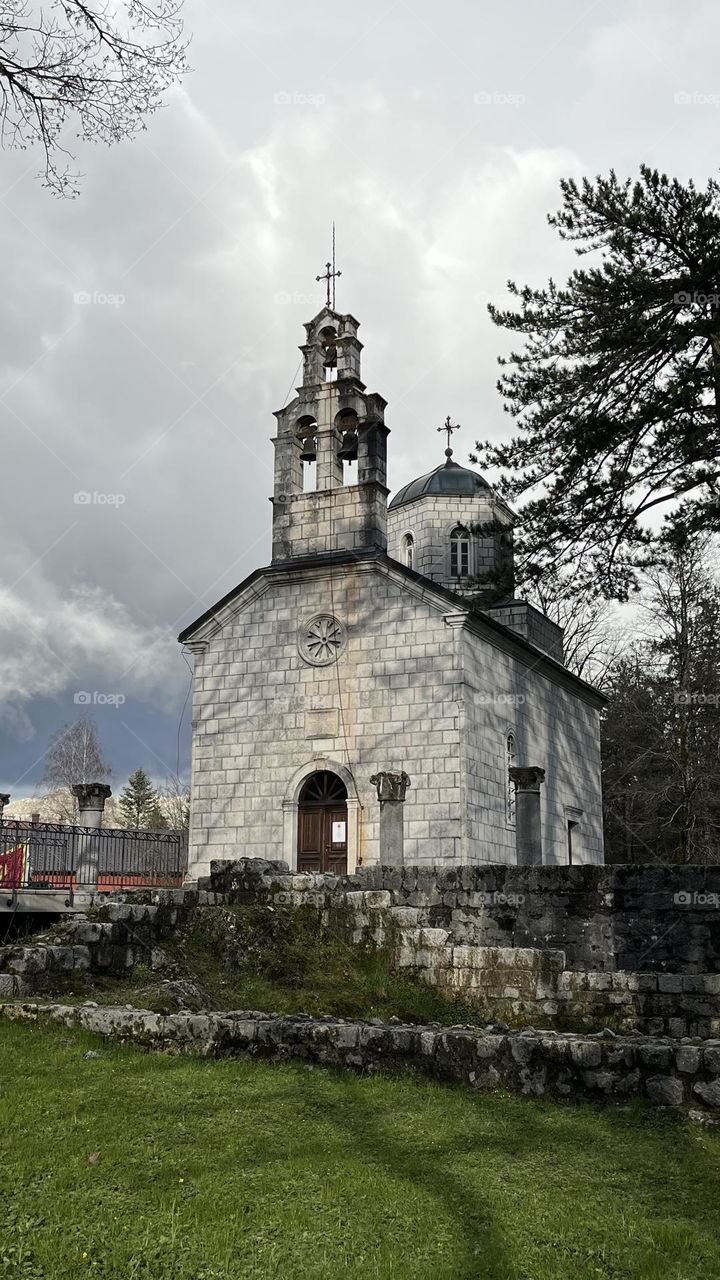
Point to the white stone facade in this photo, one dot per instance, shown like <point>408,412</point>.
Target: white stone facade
<point>416,687</point>
<point>340,659</point>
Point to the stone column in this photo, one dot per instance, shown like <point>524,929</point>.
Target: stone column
<point>4,799</point>
<point>391,790</point>
<point>528,826</point>
<point>91,797</point>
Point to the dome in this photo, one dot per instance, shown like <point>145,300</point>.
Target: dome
<point>449,479</point>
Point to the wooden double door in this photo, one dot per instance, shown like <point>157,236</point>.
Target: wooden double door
<point>322,825</point>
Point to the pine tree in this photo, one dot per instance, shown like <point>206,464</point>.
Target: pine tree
<point>139,804</point>
<point>616,392</point>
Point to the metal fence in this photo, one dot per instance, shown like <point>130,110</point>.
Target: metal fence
<point>47,855</point>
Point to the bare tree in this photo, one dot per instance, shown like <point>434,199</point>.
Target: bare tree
<point>661,732</point>
<point>175,803</point>
<point>592,638</point>
<point>73,755</point>
<point>81,62</point>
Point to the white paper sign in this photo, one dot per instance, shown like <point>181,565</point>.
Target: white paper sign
<point>338,832</point>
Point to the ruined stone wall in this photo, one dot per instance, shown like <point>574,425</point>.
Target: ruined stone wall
<point>633,918</point>
<point>633,947</point>
<point>667,1073</point>
<point>117,933</point>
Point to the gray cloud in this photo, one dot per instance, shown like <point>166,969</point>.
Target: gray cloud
<point>151,327</point>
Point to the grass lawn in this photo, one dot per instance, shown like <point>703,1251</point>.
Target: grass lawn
<point>143,1167</point>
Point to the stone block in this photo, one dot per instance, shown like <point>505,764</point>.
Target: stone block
<point>665,1091</point>
<point>708,1091</point>
<point>657,1057</point>
<point>605,1082</point>
<point>585,1053</point>
<point>670,982</point>
<point>434,938</point>
<point>29,960</point>
<point>711,1058</point>
<point>687,1059</point>
<point>522,1048</point>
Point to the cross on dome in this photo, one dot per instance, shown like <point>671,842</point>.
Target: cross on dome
<point>449,427</point>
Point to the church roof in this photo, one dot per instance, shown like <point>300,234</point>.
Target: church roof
<point>449,479</point>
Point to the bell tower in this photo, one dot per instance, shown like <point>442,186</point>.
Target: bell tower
<point>332,433</point>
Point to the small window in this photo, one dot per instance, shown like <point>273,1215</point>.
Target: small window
<point>510,761</point>
<point>408,551</point>
<point>573,821</point>
<point>459,553</point>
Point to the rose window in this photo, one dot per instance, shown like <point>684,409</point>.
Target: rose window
<point>321,640</point>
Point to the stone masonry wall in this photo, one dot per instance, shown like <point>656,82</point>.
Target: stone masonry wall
<point>117,933</point>
<point>571,946</point>
<point>261,714</point>
<point>534,1063</point>
<point>410,691</point>
<point>553,728</point>
<point>430,521</point>
<point>650,919</point>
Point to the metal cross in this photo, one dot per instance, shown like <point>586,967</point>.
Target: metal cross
<point>330,274</point>
<point>449,427</point>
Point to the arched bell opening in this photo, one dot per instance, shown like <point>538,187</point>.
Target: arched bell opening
<point>346,422</point>
<point>328,343</point>
<point>323,824</point>
<point>306,428</point>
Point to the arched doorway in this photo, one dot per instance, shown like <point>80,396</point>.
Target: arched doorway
<point>323,824</point>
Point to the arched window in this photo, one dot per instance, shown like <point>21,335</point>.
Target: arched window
<point>460,553</point>
<point>510,760</point>
<point>408,551</point>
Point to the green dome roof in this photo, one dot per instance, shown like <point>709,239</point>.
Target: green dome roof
<point>449,479</point>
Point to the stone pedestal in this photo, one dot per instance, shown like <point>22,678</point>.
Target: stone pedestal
<point>528,826</point>
<point>91,797</point>
<point>391,790</point>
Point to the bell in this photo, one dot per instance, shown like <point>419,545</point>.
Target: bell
<point>348,450</point>
<point>330,360</point>
<point>308,452</point>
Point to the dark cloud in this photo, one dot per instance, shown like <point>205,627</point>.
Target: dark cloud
<point>150,328</point>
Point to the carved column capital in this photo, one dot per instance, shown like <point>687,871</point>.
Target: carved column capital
<point>390,786</point>
<point>91,795</point>
<point>527,777</point>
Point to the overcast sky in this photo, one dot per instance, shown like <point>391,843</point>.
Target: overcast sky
<point>436,136</point>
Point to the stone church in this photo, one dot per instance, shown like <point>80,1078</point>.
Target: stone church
<point>376,693</point>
